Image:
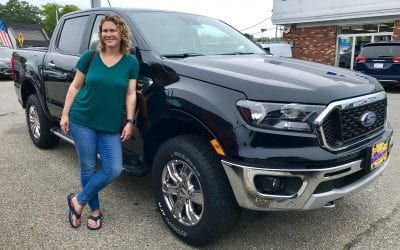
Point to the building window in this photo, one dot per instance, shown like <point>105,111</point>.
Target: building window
<point>352,38</point>
<point>366,28</point>
<point>386,27</point>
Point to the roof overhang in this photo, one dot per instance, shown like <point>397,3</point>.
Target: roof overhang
<point>291,12</point>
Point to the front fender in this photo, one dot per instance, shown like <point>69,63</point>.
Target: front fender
<point>191,106</point>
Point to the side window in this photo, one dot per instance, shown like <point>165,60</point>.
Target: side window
<point>72,34</point>
<point>94,38</point>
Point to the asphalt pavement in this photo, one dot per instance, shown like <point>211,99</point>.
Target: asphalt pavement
<point>33,209</point>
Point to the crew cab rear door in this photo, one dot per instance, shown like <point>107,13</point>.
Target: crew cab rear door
<point>66,47</point>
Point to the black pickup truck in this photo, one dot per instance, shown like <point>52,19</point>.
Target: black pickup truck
<point>221,125</point>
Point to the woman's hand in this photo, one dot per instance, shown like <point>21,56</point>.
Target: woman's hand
<point>64,124</point>
<point>127,132</point>
<point>73,89</point>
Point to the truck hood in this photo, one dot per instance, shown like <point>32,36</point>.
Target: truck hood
<point>268,78</point>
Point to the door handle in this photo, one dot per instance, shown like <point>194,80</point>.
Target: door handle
<point>51,64</point>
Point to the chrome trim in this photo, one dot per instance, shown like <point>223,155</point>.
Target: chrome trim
<point>62,136</point>
<point>182,192</point>
<point>319,200</point>
<point>34,122</point>
<point>241,178</point>
<point>57,132</point>
<point>342,105</point>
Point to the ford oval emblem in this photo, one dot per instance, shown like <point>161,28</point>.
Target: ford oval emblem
<point>368,119</point>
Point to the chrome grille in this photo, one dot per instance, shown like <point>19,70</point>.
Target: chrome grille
<point>351,125</point>
<point>340,125</point>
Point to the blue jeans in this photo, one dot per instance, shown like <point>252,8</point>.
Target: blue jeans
<point>89,142</point>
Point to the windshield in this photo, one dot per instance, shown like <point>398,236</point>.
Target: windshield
<point>284,51</point>
<point>190,35</point>
<point>381,51</point>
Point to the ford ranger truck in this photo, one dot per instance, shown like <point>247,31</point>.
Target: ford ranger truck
<point>221,125</point>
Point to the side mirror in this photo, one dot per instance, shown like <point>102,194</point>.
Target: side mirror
<point>143,84</point>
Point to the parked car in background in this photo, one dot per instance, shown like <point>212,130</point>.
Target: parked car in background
<point>382,61</point>
<point>277,49</point>
<point>5,63</point>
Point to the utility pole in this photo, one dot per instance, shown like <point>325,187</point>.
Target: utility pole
<point>95,3</point>
<point>262,34</point>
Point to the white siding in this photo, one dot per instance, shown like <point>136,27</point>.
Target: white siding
<point>304,11</point>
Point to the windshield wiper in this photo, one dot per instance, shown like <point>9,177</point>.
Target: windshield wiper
<point>183,55</point>
<point>236,53</point>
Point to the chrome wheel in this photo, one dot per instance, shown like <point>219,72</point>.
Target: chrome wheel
<point>34,123</point>
<point>182,192</point>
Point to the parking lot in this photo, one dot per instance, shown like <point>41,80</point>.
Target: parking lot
<point>33,210</point>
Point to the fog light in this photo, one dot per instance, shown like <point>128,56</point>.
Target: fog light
<point>268,184</point>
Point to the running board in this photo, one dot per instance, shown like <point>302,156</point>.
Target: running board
<point>57,132</point>
<point>133,163</point>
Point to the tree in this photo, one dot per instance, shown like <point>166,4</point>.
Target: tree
<point>251,37</point>
<point>51,11</point>
<point>19,12</point>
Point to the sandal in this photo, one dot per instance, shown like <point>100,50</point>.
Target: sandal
<point>72,212</point>
<point>95,219</point>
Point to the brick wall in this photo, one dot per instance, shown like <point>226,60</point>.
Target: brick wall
<point>396,31</point>
<point>317,44</point>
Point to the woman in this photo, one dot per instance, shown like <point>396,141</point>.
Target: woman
<point>104,83</point>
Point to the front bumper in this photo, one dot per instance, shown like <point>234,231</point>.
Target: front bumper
<point>247,195</point>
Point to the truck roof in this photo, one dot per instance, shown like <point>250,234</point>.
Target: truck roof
<point>120,9</point>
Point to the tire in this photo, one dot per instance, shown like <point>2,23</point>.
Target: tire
<point>39,125</point>
<point>192,191</point>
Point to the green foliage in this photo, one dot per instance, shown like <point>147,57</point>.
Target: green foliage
<point>19,12</point>
<point>263,40</point>
<point>51,11</point>
<point>251,37</point>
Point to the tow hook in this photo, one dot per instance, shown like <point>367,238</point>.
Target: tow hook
<point>330,204</point>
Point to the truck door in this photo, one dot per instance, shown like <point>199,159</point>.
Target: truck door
<point>59,64</point>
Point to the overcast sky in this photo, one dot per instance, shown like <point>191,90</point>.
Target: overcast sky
<point>238,13</point>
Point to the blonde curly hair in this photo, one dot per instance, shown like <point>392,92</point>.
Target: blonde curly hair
<point>126,34</point>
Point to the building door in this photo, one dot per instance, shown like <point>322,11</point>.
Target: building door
<point>359,43</point>
<point>350,45</point>
<point>345,48</point>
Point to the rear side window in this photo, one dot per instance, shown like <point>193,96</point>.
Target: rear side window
<point>72,34</point>
<point>381,51</point>
<point>94,38</point>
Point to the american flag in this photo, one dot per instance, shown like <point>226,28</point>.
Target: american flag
<point>4,38</point>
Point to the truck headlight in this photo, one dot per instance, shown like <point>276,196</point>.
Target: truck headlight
<point>279,116</point>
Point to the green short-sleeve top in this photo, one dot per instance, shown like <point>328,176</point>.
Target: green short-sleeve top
<point>100,103</point>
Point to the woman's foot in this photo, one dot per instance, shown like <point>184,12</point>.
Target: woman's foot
<point>75,211</point>
<point>94,221</point>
